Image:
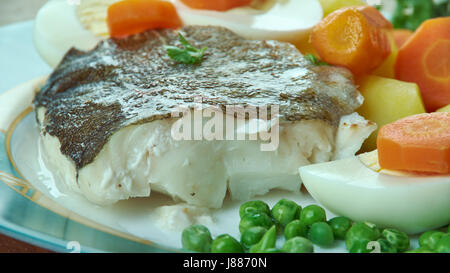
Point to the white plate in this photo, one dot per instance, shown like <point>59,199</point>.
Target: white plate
<point>135,217</point>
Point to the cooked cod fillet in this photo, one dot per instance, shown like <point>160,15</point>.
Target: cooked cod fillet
<point>106,123</point>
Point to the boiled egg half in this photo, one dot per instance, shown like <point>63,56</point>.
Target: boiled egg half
<point>359,189</point>
<point>62,24</point>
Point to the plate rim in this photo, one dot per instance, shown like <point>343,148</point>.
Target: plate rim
<point>37,195</point>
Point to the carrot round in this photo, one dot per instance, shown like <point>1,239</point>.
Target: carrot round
<point>425,60</point>
<point>401,36</point>
<point>417,143</point>
<point>219,5</point>
<point>135,16</point>
<point>353,37</point>
<point>374,17</point>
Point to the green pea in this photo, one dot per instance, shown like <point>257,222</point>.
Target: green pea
<point>285,211</point>
<point>397,238</point>
<point>360,246</point>
<point>272,250</point>
<point>255,220</point>
<point>312,214</point>
<point>268,241</point>
<point>252,236</point>
<point>360,234</point>
<point>430,239</point>
<point>226,244</point>
<point>196,238</point>
<point>321,234</point>
<point>294,229</point>
<point>443,246</point>
<point>420,250</point>
<point>253,207</point>
<point>340,225</point>
<point>386,246</point>
<point>297,245</point>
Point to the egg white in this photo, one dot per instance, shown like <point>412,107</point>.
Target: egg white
<point>57,29</point>
<point>410,203</point>
<point>289,20</point>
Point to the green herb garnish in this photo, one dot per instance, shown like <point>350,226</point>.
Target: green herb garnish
<point>410,14</point>
<point>187,55</point>
<point>314,60</point>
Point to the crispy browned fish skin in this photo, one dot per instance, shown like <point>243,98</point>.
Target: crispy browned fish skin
<point>91,95</point>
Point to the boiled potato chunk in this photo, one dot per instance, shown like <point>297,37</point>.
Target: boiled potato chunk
<point>387,100</point>
<point>329,6</point>
<point>444,109</point>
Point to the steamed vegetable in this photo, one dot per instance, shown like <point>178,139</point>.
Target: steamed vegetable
<point>417,143</point>
<point>134,16</point>
<point>297,245</point>
<point>294,229</point>
<point>430,239</point>
<point>226,244</point>
<point>255,220</point>
<point>329,6</point>
<point>396,238</point>
<point>387,68</point>
<point>425,60</point>
<point>196,238</point>
<point>267,242</point>
<point>387,100</point>
<point>359,235</point>
<point>219,5</point>
<point>312,214</point>
<point>433,241</point>
<point>252,207</point>
<point>386,246</point>
<point>401,36</point>
<point>252,236</point>
<point>353,37</point>
<point>285,211</point>
<point>321,234</point>
<point>340,225</point>
<point>374,17</point>
<point>443,246</point>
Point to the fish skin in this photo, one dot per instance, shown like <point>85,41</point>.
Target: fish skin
<point>91,95</point>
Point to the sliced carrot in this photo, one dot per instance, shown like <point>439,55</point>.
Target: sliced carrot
<point>135,16</point>
<point>219,5</point>
<point>387,68</point>
<point>416,143</point>
<point>401,36</point>
<point>425,60</point>
<point>374,17</point>
<point>353,37</point>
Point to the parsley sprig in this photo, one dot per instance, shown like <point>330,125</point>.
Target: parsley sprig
<point>187,55</point>
<point>314,60</point>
